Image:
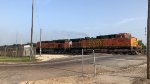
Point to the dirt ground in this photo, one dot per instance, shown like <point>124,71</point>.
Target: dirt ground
<point>110,69</point>
<point>46,57</point>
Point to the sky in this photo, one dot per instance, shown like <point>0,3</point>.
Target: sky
<point>62,19</point>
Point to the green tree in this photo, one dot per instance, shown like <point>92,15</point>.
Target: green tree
<point>141,44</point>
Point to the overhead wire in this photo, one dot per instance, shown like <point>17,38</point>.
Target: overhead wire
<point>37,15</point>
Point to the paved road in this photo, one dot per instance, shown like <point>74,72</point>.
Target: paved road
<point>15,73</point>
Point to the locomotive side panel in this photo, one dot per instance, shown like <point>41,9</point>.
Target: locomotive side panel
<point>115,43</point>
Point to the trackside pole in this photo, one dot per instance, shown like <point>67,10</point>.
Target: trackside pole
<point>40,42</point>
<point>94,63</point>
<point>82,62</point>
<point>5,51</point>
<point>148,41</point>
<point>31,52</point>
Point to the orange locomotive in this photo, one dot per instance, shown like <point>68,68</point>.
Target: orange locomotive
<point>55,46</point>
<point>114,43</point>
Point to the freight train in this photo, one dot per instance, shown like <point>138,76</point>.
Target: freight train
<point>122,43</point>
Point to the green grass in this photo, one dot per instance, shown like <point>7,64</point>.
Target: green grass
<point>16,59</point>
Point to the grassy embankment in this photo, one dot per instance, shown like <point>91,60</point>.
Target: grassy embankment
<point>16,59</point>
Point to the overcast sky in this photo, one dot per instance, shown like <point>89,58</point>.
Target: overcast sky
<point>71,19</point>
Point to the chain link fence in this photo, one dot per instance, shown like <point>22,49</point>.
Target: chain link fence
<point>112,68</point>
<point>105,68</point>
<point>98,68</point>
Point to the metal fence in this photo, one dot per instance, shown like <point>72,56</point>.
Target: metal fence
<point>115,67</point>
<point>105,68</point>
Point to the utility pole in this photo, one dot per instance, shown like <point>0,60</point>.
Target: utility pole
<point>144,49</point>
<point>94,63</point>
<point>16,38</point>
<point>40,41</point>
<point>82,61</point>
<point>145,32</point>
<point>148,41</point>
<point>16,43</point>
<point>31,52</point>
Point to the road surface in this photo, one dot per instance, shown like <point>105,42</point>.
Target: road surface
<point>131,66</point>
